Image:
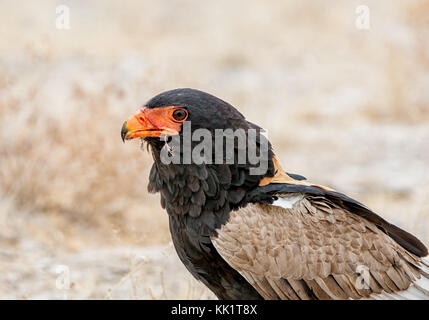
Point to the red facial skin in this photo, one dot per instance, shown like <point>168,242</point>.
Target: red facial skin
<point>154,122</point>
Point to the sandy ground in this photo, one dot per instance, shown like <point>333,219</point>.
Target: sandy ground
<point>347,108</point>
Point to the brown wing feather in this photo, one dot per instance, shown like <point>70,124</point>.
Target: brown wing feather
<point>283,179</point>
<point>316,249</point>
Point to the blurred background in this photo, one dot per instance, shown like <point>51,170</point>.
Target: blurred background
<point>346,106</point>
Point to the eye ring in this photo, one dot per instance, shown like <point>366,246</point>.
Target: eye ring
<point>180,115</point>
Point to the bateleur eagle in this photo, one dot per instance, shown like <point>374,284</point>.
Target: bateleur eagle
<point>268,235</point>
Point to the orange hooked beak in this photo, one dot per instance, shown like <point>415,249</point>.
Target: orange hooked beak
<point>154,122</point>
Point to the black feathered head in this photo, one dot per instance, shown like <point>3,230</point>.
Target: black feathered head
<point>169,113</point>
<point>166,112</point>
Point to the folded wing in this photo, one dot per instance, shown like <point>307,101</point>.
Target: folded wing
<point>307,245</point>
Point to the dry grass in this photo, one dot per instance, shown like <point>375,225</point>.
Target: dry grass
<point>78,170</point>
<point>69,188</point>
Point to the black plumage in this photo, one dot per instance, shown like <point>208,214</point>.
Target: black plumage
<point>199,198</point>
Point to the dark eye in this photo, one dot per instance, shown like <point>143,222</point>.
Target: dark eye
<point>180,115</point>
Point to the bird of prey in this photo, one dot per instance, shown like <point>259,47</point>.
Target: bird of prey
<point>266,234</point>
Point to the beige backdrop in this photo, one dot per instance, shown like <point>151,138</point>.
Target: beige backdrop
<point>346,107</point>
